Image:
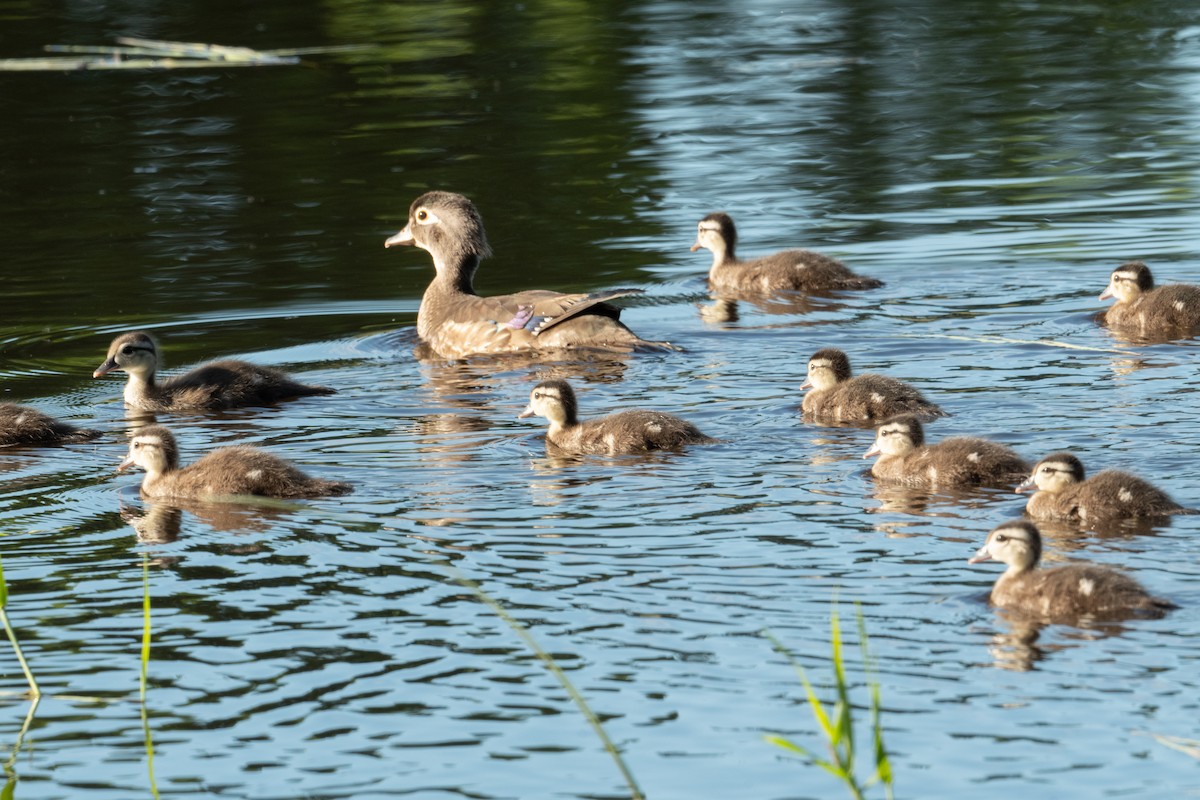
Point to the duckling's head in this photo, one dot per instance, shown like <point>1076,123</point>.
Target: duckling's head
<point>717,234</point>
<point>826,369</point>
<point>897,436</point>
<point>449,228</point>
<point>136,353</point>
<point>1017,544</point>
<point>554,400</point>
<point>1054,473</point>
<point>152,448</point>
<point>1128,281</point>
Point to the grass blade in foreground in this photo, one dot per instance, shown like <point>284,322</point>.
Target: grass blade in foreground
<point>34,691</point>
<point>145,669</point>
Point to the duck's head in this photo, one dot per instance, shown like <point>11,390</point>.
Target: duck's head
<point>1017,544</point>
<point>1128,281</point>
<point>897,436</point>
<point>826,369</point>
<point>152,448</point>
<point>448,227</point>
<point>135,353</point>
<point>1054,473</point>
<point>554,400</point>
<point>717,234</point>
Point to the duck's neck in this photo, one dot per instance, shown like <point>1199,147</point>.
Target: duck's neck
<point>454,276</point>
<point>723,257</point>
<point>140,387</point>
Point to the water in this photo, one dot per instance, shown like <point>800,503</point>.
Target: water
<point>990,163</point>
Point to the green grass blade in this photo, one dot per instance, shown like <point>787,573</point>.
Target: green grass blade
<point>3,587</point>
<point>145,671</point>
<point>34,691</point>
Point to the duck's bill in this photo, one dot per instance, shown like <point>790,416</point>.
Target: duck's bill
<point>806,385</point>
<point>124,465</point>
<point>874,451</point>
<point>1025,485</point>
<point>528,412</point>
<point>696,246</point>
<point>105,368</point>
<point>403,237</point>
<point>1107,293</point>
<point>981,554</point>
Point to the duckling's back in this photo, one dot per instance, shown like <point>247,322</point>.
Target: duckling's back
<point>242,469</point>
<point>633,432</point>
<point>869,398</point>
<point>957,461</point>
<point>231,384</point>
<point>1077,590</point>
<point>791,270</point>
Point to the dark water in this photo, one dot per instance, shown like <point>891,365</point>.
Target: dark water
<point>991,162</point>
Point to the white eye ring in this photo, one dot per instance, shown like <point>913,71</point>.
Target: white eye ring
<point>426,217</point>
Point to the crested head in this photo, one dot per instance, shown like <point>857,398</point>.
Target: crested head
<point>554,400</point>
<point>1128,281</point>
<point>1017,543</point>
<point>828,367</point>
<point>153,448</point>
<point>1055,472</point>
<point>135,353</point>
<point>716,232</point>
<point>448,226</point>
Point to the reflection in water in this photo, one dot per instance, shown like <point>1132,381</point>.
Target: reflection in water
<point>162,520</point>
<point>1018,647</point>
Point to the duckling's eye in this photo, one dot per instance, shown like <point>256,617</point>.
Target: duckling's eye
<point>1000,537</point>
<point>127,350</point>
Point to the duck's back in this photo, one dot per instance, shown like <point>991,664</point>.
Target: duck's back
<point>791,270</point>
<point>22,425</point>
<point>1175,307</point>
<point>869,398</point>
<point>1076,590</point>
<point>631,432</point>
<point>242,469</point>
<point>230,384</point>
<point>957,461</point>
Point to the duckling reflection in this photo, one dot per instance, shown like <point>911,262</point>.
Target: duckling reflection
<point>25,425</point>
<point>162,520</point>
<point>838,397</point>
<point>1147,312</point>
<point>216,385</point>
<point>1065,493</point>
<point>626,432</point>
<point>1060,594</point>
<point>787,271</point>
<point>960,461</point>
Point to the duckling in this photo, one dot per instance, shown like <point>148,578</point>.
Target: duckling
<point>455,321</point>
<point>1147,310</point>
<point>837,397</point>
<point>215,385</point>
<point>1064,494</point>
<point>958,461</point>
<point>22,425</point>
<point>789,270</point>
<point>235,470</point>
<point>1066,592</point>
<point>621,433</point>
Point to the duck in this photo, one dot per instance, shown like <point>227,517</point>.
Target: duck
<point>1065,493</point>
<point>789,270</point>
<point>958,461</point>
<point>836,396</point>
<point>626,432</point>
<point>234,470</point>
<point>216,385</point>
<point>455,321</point>
<point>1067,592</point>
<point>1147,310</point>
<point>24,425</point>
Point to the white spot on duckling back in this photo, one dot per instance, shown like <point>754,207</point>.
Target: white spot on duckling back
<point>1125,495</point>
<point>254,474</point>
<point>933,474</point>
<point>1179,305</point>
<point>653,427</point>
<point>973,458</point>
<point>20,420</point>
<point>1086,586</point>
<point>877,397</point>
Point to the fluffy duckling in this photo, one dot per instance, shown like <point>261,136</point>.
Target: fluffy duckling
<point>789,270</point>
<point>1147,310</point>
<point>838,397</point>
<point>621,433</point>
<point>455,321</point>
<point>1067,592</point>
<point>958,461</point>
<point>235,470</point>
<point>215,385</point>
<point>22,425</point>
<point>1064,494</point>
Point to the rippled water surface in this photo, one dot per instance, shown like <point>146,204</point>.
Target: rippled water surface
<point>991,162</point>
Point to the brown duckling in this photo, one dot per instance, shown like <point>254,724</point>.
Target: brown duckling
<point>1063,493</point>
<point>958,461</point>
<point>455,321</point>
<point>1147,310</point>
<point>236,470</point>
<point>22,425</point>
<point>215,385</point>
<point>1066,592</point>
<point>789,270</point>
<point>838,397</point>
<point>621,433</point>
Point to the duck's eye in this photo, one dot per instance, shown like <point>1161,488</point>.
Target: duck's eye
<point>127,350</point>
<point>1000,537</point>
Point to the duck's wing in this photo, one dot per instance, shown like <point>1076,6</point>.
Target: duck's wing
<point>539,311</point>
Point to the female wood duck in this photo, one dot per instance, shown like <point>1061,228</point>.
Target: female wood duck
<point>455,321</point>
<point>904,458</point>
<point>621,433</point>
<point>1062,593</point>
<point>789,270</point>
<point>836,396</point>
<point>215,385</point>
<point>22,425</point>
<point>236,470</point>
<point>1146,310</point>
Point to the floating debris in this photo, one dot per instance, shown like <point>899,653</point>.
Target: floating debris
<point>157,54</point>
